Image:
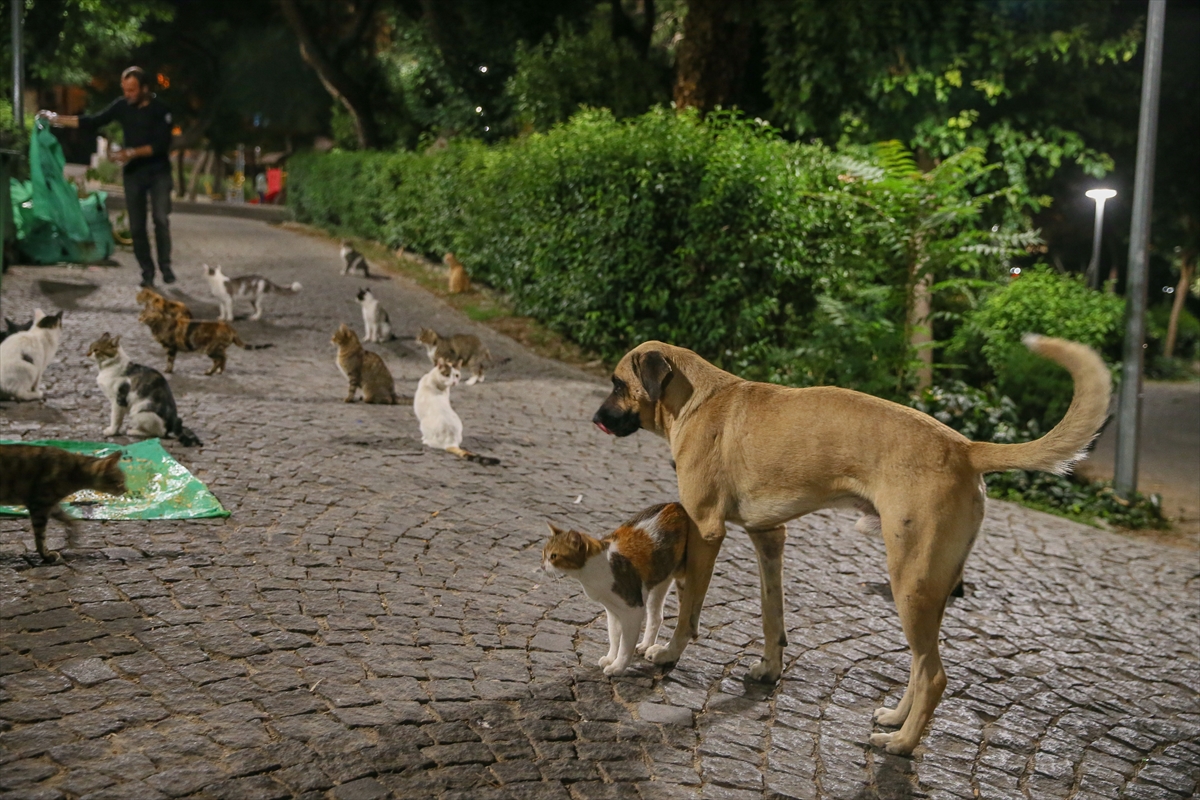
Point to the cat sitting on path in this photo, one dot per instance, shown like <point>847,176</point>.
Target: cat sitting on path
<point>140,392</point>
<point>354,263</point>
<point>254,287</point>
<point>628,572</point>
<point>463,350</point>
<point>441,427</point>
<point>25,355</point>
<point>363,369</point>
<point>375,320</point>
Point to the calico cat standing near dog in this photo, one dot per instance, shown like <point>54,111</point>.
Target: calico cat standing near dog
<point>375,320</point>
<point>628,572</point>
<point>441,427</point>
<point>25,355</point>
<point>255,287</point>
<point>141,392</point>
<point>40,477</point>
<point>363,369</point>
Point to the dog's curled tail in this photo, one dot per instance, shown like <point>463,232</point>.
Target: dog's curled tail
<point>487,461</point>
<point>1067,441</point>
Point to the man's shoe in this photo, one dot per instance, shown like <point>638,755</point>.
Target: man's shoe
<point>168,276</point>
<point>146,284</point>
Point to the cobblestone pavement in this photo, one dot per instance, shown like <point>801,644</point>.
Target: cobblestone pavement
<point>369,622</point>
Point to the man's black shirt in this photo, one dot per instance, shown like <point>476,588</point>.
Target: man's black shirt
<point>150,124</point>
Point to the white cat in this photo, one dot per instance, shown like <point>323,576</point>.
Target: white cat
<point>440,425</point>
<point>225,289</point>
<point>375,319</point>
<point>24,356</point>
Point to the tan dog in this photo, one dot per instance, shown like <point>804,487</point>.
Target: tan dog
<point>758,455</point>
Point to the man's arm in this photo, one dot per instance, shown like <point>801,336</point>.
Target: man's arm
<point>92,121</point>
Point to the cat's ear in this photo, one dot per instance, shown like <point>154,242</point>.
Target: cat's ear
<point>575,539</point>
<point>116,340</point>
<point>554,529</point>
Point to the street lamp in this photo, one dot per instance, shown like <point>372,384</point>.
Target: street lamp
<point>1093,270</point>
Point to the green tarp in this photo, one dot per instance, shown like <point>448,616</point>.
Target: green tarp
<point>159,486</point>
<point>52,223</point>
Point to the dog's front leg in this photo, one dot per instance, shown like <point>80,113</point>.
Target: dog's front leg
<point>704,542</point>
<point>769,546</point>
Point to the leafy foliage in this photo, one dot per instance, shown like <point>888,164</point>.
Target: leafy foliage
<point>1021,79</point>
<point>572,69</point>
<point>1040,301</point>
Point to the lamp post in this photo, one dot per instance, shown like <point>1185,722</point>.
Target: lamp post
<point>1093,270</point>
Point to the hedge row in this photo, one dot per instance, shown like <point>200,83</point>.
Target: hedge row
<point>714,235</point>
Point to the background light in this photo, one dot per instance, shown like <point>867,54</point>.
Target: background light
<point>1101,194</point>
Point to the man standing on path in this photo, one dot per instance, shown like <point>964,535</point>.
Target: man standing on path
<point>146,123</point>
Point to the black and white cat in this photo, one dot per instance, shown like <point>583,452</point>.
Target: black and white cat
<point>25,355</point>
<point>375,319</point>
<point>254,287</point>
<point>140,392</point>
<point>354,262</point>
<point>441,426</point>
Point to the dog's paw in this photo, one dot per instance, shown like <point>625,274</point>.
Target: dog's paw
<point>892,743</point>
<point>615,669</point>
<point>110,431</point>
<point>661,654</point>
<point>766,672</point>
<point>605,661</point>
<point>889,717</point>
<point>642,647</point>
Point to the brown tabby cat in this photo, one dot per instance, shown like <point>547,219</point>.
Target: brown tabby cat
<point>459,280</point>
<point>172,326</point>
<point>39,477</point>
<point>363,369</point>
<point>462,350</point>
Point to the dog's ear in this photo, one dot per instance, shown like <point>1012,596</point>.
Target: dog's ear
<point>654,373</point>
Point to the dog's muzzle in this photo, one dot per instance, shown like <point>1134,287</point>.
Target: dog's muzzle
<point>617,423</point>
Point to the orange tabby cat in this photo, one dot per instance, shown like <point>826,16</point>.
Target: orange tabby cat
<point>459,280</point>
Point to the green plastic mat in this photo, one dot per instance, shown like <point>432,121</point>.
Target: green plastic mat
<point>159,487</point>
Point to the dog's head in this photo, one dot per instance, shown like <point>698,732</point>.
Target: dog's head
<point>640,386</point>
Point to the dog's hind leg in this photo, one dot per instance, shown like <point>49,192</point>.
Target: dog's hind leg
<point>925,561</point>
<point>704,542</point>
<point>769,546</point>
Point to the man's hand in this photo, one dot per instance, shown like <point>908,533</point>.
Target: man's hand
<point>49,116</point>
<point>123,155</point>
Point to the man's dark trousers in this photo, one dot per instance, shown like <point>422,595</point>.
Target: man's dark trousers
<point>150,189</point>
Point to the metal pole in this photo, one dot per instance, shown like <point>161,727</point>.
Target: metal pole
<point>1093,270</point>
<point>1129,405</point>
<point>18,65</point>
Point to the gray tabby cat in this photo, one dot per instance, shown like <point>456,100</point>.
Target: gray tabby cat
<point>141,392</point>
<point>356,263</point>
<point>225,289</point>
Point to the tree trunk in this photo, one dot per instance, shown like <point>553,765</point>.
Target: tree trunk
<point>197,171</point>
<point>711,60</point>
<point>180,188</point>
<point>340,86</point>
<point>218,173</point>
<point>920,330</point>
<point>1186,268</point>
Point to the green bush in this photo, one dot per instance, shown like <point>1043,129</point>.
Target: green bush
<point>714,235</point>
<point>1040,301</point>
<point>572,69</point>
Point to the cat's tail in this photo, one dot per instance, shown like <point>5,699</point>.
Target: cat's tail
<point>277,289</point>
<point>487,461</point>
<point>238,341</point>
<point>185,435</point>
